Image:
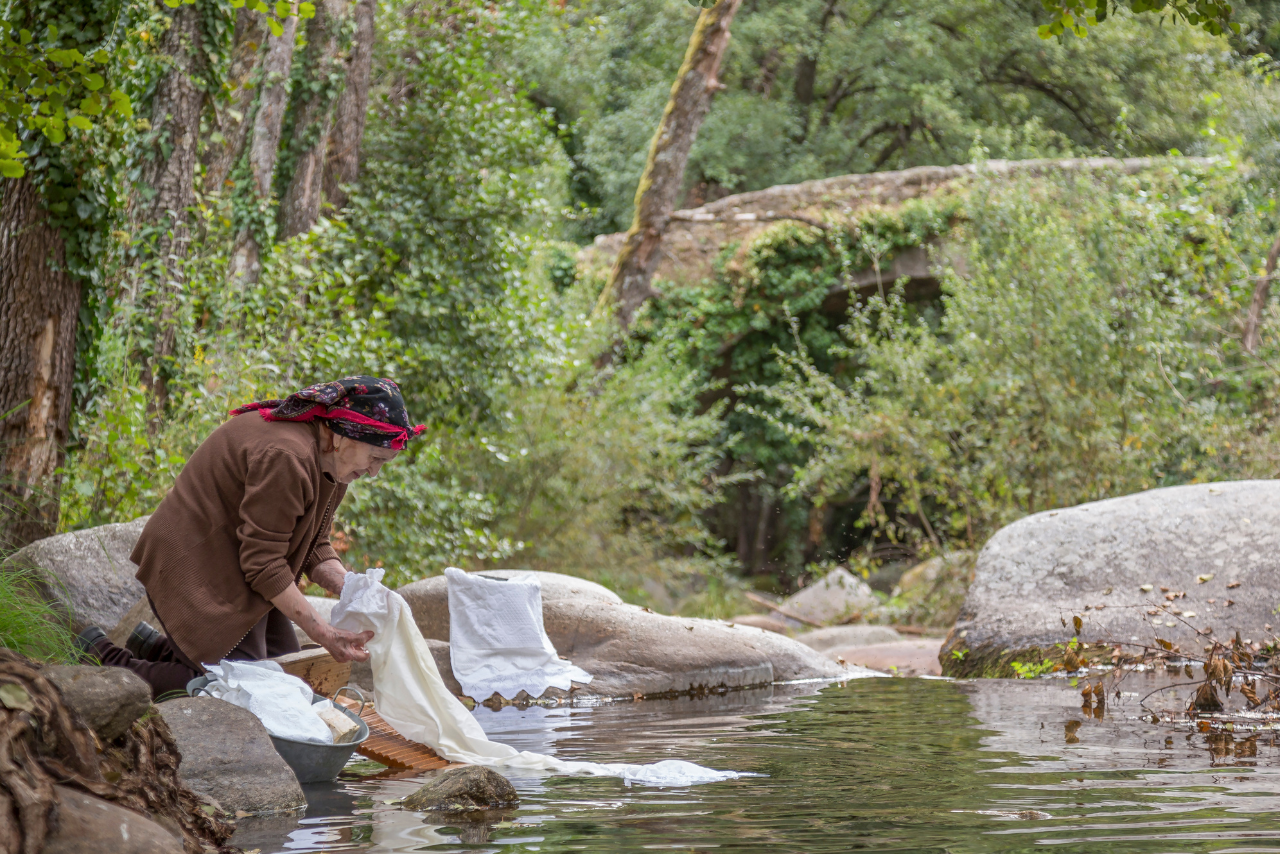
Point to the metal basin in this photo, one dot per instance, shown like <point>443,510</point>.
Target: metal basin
<point>311,762</point>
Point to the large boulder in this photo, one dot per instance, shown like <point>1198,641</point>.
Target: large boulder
<point>837,596</point>
<point>1214,546</point>
<point>107,699</point>
<point>228,755</point>
<point>85,823</point>
<point>632,651</point>
<point>464,790</point>
<point>88,573</point>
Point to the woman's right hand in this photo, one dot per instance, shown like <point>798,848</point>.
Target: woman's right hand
<point>344,646</point>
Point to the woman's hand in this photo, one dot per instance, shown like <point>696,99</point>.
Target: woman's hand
<point>344,646</point>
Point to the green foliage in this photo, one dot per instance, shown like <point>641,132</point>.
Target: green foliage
<point>1076,16</point>
<point>1086,350</point>
<point>1029,670</point>
<point>47,85</point>
<point>28,624</point>
<point>815,89</point>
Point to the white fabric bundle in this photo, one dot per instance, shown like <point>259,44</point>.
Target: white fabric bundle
<point>497,643</point>
<point>282,702</point>
<point>411,697</point>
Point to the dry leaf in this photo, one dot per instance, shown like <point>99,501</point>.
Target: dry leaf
<point>1078,623</point>
<point>1233,585</point>
<point>1201,579</point>
<point>1146,588</point>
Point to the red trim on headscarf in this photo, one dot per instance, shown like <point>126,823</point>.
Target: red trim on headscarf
<point>321,411</point>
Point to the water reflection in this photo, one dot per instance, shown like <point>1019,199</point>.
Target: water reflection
<point>901,764</point>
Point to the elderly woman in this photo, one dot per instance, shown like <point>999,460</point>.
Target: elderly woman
<point>249,515</point>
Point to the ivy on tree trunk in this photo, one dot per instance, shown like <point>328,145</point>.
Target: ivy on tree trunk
<point>264,148</point>
<point>312,118</point>
<point>166,185</point>
<point>343,153</point>
<point>629,282</point>
<point>231,126</point>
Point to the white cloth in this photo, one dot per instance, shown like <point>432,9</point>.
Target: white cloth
<point>411,697</point>
<point>497,643</point>
<point>282,702</point>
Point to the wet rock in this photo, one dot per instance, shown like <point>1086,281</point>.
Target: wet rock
<point>914,657</point>
<point>108,699</point>
<point>848,637</point>
<point>761,621</point>
<point>228,755</point>
<point>1218,543</point>
<point>464,790</point>
<point>631,651</point>
<point>429,598</point>
<point>86,823</point>
<point>89,574</point>
<point>837,596</point>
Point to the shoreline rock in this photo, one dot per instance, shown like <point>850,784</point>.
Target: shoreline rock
<point>227,755</point>
<point>1214,546</point>
<point>107,699</point>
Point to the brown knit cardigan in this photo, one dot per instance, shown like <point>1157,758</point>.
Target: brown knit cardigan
<point>250,512</point>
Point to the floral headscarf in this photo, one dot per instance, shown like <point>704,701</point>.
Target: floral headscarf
<point>366,409</point>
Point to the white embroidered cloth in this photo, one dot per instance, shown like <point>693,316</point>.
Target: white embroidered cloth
<point>411,697</point>
<point>497,643</point>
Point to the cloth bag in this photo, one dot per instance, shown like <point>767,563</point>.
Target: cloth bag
<point>410,696</point>
<point>497,643</point>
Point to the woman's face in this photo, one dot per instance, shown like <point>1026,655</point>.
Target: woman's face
<point>348,459</point>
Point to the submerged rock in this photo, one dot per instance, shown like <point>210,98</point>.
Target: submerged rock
<point>89,574</point>
<point>837,596</point>
<point>85,823</point>
<point>848,637</point>
<point>1162,563</point>
<point>464,790</point>
<point>107,699</point>
<point>228,755</point>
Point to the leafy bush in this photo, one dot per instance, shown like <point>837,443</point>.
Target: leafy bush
<point>1087,349</point>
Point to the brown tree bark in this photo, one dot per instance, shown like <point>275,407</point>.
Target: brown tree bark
<point>313,117</point>
<point>629,282</point>
<point>342,160</point>
<point>1261,293</point>
<point>264,145</point>
<point>232,123</point>
<point>166,184</point>
<point>39,308</point>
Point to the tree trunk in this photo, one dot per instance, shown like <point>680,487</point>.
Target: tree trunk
<point>39,308</point>
<point>232,123</point>
<point>343,158</point>
<point>313,115</point>
<point>629,282</point>
<point>1261,293</point>
<point>264,147</point>
<point>166,184</point>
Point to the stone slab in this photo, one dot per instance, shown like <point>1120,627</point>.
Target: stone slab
<point>89,824</point>
<point>848,637</point>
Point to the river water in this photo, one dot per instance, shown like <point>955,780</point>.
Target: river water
<point>872,764</point>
